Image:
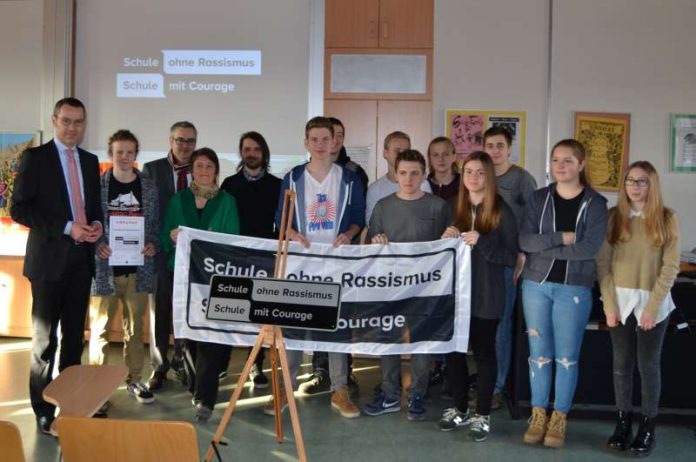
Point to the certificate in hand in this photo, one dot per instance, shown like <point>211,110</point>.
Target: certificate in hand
<point>126,239</point>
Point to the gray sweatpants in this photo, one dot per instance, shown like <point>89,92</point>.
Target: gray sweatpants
<point>391,373</point>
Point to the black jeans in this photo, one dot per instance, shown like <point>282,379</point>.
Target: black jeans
<point>207,361</point>
<point>482,334</point>
<point>64,300</point>
<point>632,344</point>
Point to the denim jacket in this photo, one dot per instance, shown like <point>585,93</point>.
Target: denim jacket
<point>543,244</point>
<point>350,205</point>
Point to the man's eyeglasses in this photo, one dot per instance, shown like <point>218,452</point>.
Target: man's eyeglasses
<point>640,182</point>
<point>184,141</point>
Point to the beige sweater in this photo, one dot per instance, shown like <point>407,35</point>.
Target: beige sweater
<point>637,264</point>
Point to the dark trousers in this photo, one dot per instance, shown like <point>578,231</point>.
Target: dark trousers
<point>63,301</point>
<point>632,344</point>
<point>163,321</point>
<point>204,362</point>
<point>482,334</point>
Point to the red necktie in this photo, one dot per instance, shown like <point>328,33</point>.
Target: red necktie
<point>75,194</point>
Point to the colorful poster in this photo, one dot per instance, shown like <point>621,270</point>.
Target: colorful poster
<point>606,140</point>
<point>466,128</point>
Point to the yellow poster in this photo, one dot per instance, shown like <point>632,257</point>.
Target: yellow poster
<point>606,140</point>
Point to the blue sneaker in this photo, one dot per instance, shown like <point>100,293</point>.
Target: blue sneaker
<point>416,410</point>
<point>382,405</point>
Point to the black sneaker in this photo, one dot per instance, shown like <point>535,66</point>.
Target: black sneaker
<point>453,418</point>
<point>317,383</point>
<point>258,378</point>
<point>140,392</point>
<point>202,413</point>
<point>102,411</point>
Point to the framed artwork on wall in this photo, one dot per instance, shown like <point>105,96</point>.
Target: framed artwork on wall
<point>466,127</point>
<point>606,139</point>
<point>682,143</point>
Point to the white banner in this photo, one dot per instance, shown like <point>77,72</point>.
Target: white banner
<point>397,298</point>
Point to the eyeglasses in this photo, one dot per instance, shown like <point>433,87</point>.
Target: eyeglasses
<point>184,141</point>
<point>640,182</point>
<point>65,122</point>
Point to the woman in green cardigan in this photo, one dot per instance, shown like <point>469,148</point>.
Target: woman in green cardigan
<point>203,206</point>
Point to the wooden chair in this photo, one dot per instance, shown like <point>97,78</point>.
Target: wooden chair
<point>115,440</point>
<point>80,391</point>
<point>10,442</point>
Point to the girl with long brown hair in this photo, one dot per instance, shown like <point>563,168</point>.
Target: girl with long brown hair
<point>637,267</point>
<point>484,222</point>
<point>562,231</point>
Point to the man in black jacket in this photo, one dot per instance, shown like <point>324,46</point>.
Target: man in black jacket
<point>57,197</point>
<point>256,192</point>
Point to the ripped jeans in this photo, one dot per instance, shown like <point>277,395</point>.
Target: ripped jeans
<point>556,316</point>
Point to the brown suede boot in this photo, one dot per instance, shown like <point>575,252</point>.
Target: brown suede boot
<point>555,435</point>
<point>537,426</point>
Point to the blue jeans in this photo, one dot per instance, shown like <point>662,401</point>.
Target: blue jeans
<point>503,337</point>
<point>556,317</point>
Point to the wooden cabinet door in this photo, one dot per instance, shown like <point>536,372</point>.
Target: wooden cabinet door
<point>414,118</point>
<point>359,117</point>
<point>352,23</point>
<point>406,23</point>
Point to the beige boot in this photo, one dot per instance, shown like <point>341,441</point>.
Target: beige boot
<point>537,426</point>
<point>340,400</point>
<point>555,435</point>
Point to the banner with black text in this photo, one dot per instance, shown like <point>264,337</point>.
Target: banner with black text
<point>396,298</point>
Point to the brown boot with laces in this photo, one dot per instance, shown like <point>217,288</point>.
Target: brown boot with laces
<point>537,426</point>
<point>555,435</point>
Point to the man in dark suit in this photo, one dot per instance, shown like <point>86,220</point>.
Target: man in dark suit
<point>170,174</point>
<point>57,197</point>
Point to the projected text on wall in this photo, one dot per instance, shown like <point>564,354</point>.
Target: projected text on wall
<point>185,71</point>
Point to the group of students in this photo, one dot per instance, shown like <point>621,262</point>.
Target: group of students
<point>552,243</point>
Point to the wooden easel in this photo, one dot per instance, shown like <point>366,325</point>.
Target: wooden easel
<point>273,337</point>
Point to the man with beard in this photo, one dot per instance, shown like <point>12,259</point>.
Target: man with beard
<point>256,192</point>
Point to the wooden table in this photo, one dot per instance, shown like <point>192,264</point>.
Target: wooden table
<point>79,391</point>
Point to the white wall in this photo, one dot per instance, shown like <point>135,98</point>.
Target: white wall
<point>630,56</point>
<point>21,54</point>
<point>608,56</point>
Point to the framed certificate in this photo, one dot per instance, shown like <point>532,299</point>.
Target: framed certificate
<point>682,142</point>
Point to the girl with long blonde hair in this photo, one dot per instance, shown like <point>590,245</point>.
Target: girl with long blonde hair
<point>637,266</point>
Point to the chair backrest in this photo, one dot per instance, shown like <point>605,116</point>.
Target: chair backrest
<point>116,440</point>
<point>11,442</point>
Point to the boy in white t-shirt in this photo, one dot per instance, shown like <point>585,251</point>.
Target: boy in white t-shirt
<point>330,208</point>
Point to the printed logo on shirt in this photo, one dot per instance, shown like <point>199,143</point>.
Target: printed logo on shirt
<point>321,213</point>
<point>124,204</point>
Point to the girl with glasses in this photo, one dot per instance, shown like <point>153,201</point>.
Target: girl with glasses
<point>637,266</point>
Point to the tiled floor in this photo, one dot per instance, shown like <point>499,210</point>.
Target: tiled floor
<point>329,437</point>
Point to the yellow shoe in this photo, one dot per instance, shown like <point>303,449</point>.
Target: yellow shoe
<point>340,400</point>
<point>555,435</point>
<point>537,426</point>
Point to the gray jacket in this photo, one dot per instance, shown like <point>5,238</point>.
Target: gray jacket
<point>543,244</point>
<point>103,282</point>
